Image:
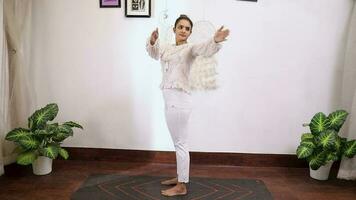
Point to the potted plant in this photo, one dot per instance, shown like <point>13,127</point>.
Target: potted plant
<point>323,146</point>
<point>40,143</point>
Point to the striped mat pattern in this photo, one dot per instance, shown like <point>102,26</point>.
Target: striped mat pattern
<point>115,186</point>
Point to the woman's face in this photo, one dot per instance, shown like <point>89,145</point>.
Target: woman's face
<point>182,30</point>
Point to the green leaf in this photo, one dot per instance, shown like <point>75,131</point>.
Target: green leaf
<point>332,156</point>
<point>304,151</point>
<point>327,139</point>
<point>307,136</point>
<point>51,151</point>
<point>40,117</point>
<point>307,140</point>
<point>336,119</point>
<point>65,129</point>
<point>350,149</point>
<point>42,133</point>
<point>16,134</point>
<point>63,153</point>
<point>62,133</point>
<point>319,123</point>
<point>52,128</point>
<point>73,124</point>
<point>42,136</point>
<point>317,160</point>
<point>308,143</point>
<point>60,137</point>
<point>342,147</point>
<point>29,142</point>
<point>26,158</point>
<point>338,144</point>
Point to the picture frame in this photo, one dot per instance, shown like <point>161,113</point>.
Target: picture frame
<point>138,8</point>
<point>110,3</point>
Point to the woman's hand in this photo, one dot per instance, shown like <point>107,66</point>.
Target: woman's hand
<point>221,34</point>
<point>154,36</point>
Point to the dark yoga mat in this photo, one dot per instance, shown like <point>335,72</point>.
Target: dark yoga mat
<point>114,186</point>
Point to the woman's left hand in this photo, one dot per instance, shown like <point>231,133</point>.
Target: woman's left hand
<point>221,34</point>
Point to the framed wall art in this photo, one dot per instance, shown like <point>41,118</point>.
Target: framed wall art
<point>138,8</point>
<point>110,3</point>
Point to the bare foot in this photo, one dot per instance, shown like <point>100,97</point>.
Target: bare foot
<point>179,189</point>
<point>172,181</point>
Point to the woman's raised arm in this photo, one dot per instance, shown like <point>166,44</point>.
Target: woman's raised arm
<point>152,45</point>
<point>211,46</point>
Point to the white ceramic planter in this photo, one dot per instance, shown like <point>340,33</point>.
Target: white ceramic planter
<point>42,165</point>
<point>322,173</point>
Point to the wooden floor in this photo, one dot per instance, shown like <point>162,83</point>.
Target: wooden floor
<point>67,176</point>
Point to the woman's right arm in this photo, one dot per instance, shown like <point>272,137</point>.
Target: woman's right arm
<point>152,45</point>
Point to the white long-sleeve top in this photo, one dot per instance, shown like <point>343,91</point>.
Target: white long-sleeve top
<point>176,60</point>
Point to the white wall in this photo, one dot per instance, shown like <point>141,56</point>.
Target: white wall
<point>281,64</point>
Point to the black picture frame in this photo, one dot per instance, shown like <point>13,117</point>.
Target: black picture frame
<point>138,8</point>
<point>110,3</point>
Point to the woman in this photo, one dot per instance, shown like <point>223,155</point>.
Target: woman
<point>176,60</point>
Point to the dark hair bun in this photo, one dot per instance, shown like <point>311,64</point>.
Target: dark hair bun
<point>183,16</point>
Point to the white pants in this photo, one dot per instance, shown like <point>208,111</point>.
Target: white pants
<point>178,106</point>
